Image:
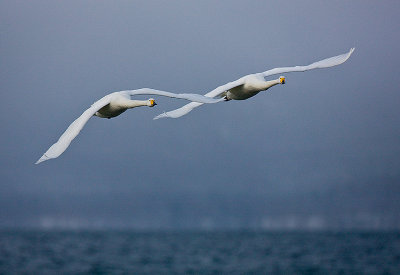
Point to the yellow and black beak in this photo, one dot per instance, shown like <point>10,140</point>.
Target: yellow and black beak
<point>282,80</point>
<point>152,102</point>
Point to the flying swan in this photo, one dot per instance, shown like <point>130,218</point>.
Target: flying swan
<point>250,85</point>
<point>113,105</point>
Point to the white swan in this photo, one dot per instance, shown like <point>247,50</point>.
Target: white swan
<point>110,106</point>
<point>250,85</point>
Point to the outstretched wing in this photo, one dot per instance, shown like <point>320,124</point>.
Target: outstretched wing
<point>73,130</point>
<point>191,97</point>
<point>328,62</point>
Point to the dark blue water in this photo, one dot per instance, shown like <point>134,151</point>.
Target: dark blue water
<point>113,252</point>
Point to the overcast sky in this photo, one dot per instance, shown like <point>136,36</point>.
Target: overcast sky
<point>321,151</point>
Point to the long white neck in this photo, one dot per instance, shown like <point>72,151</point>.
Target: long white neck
<point>255,83</point>
<point>134,103</point>
<point>268,84</point>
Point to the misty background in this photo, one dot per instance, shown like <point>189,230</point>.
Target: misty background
<point>321,152</point>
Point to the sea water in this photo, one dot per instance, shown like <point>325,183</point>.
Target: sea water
<point>129,252</point>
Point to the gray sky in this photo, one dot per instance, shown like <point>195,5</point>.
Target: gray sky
<point>321,151</point>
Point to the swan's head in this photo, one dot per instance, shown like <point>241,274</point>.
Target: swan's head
<point>151,102</point>
<point>282,79</point>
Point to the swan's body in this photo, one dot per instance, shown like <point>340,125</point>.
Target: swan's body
<point>110,106</point>
<point>250,85</point>
<point>120,103</point>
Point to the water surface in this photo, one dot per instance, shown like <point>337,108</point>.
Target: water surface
<point>122,252</point>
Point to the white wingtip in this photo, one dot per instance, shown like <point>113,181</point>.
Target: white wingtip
<point>43,158</point>
<point>163,115</point>
<point>347,56</point>
<point>350,52</point>
<point>39,161</point>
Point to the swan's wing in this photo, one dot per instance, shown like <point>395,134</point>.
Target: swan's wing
<point>190,106</point>
<point>73,130</point>
<point>328,62</point>
<point>191,97</point>
<point>180,111</point>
